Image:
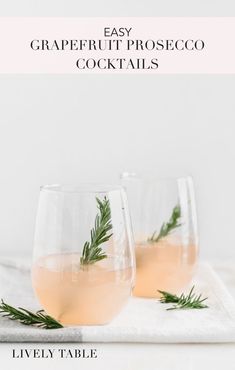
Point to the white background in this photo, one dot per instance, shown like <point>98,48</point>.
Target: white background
<point>50,132</point>
<point>121,8</point>
<point>70,129</point>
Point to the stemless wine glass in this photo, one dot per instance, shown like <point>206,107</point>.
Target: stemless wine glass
<point>83,266</point>
<point>165,231</point>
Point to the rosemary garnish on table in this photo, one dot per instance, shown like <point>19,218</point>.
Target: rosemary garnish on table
<point>92,251</point>
<point>190,301</point>
<point>39,319</point>
<point>167,227</point>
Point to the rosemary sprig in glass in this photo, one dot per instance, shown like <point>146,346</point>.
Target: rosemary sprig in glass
<point>92,252</point>
<point>190,301</point>
<point>167,227</point>
<point>39,319</point>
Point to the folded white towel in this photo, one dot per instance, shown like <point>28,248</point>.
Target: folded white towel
<point>142,320</point>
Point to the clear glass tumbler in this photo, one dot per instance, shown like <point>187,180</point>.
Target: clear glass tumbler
<point>165,231</point>
<point>83,267</point>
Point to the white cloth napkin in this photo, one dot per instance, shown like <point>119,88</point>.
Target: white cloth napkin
<point>142,320</point>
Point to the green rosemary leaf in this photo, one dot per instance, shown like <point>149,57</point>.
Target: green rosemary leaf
<point>169,226</point>
<point>190,301</point>
<point>39,319</point>
<point>92,252</point>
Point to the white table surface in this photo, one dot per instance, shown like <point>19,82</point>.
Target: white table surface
<point>136,356</point>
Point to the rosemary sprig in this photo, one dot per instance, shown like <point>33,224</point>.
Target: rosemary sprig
<point>39,319</point>
<point>92,252</point>
<point>167,227</point>
<point>190,301</point>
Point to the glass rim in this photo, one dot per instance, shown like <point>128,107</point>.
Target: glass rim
<point>81,188</point>
<point>147,177</point>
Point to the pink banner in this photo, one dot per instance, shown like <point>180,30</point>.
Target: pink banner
<point>117,45</point>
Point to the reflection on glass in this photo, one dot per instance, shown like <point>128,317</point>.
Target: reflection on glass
<point>84,266</point>
<point>165,232</point>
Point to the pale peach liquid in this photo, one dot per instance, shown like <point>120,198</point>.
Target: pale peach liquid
<point>163,266</point>
<point>75,295</point>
